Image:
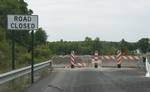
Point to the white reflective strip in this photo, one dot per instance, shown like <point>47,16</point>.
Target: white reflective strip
<point>113,57</point>
<point>96,54</point>
<point>79,64</point>
<point>72,62</point>
<point>119,59</point>
<point>119,62</point>
<point>84,64</point>
<point>72,59</point>
<point>96,58</point>
<point>72,55</point>
<point>96,61</point>
<point>136,57</point>
<point>106,57</point>
<point>130,58</point>
<point>118,56</point>
<point>125,58</point>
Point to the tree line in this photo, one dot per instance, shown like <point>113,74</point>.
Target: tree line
<point>88,47</point>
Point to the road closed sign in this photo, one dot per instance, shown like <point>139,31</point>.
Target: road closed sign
<point>22,22</point>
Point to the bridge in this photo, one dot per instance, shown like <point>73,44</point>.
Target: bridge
<point>56,75</point>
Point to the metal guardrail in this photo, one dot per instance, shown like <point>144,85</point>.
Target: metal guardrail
<point>5,77</point>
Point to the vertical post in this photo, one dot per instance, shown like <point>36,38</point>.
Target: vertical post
<point>118,58</point>
<point>72,59</point>
<point>13,50</point>
<point>96,58</point>
<point>32,56</point>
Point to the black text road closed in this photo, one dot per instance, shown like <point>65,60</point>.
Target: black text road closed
<point>22,22</point>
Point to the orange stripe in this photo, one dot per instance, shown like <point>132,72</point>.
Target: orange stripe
<point>118,57</point>
<point>72,59</point>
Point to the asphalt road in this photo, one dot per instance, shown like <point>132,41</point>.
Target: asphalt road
<point>93,80</point>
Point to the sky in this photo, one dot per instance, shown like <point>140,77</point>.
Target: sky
<point>110,20</point>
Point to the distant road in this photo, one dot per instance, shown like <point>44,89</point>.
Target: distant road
<point>93,80</point>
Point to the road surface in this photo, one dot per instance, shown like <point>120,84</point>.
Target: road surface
<point>93,80</point>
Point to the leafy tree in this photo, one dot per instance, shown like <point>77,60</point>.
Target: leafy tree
<point>124,46</point>
<point>40,37</point>
<point>143,44</point>
<point>132,46</point>
<point>88,39</point>
<point>96,44</point>
<point>88,46</point>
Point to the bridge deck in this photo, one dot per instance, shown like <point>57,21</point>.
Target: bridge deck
<point>93,80</point>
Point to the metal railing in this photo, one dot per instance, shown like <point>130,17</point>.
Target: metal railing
<point>5,77</point>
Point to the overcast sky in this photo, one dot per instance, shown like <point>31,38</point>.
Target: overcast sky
<point>110,20</point>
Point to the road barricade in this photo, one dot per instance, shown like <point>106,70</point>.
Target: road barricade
<point>126,61</point>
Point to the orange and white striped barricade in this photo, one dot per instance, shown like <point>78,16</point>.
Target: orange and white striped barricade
<point>96,59</point>
<point>72,59</point>
<point>81,65</point>
<point>108,61</point>
<point>132,61</point>
<point>118,58</point>
<point>107,58</point>
<point>132,58</point>
<point>84,64</point>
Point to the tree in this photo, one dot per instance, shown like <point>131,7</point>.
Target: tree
<point>143,44</point>
<point>124,46</point>
<point>132,46</point>
<point>86,47</point>
<point>40,37</point>
<point>88,39</point>
<point>149,48</point>
<point>97,44</point>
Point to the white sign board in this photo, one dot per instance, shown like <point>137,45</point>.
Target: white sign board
<point>22,22</point>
